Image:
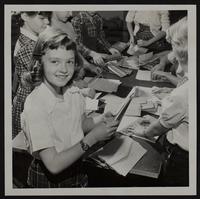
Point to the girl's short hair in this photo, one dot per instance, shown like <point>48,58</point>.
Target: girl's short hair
<point>49,39</point>
<point>178,33</point>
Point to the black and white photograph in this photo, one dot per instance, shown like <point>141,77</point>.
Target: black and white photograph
<point>100,99</point>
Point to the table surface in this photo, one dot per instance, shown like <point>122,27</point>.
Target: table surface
<point>150,164</point>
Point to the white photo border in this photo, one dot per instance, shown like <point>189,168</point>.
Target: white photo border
<point>191,190</point>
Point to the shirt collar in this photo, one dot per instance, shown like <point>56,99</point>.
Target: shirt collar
<point>51,100</point>
<point>28,34</point>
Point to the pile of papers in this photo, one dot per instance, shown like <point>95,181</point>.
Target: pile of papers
<point>121,154</point>
<point>117,69</point>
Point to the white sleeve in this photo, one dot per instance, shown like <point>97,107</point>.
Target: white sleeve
<point>130,16</point>
<point>174,113</point>
<point>37,128</point>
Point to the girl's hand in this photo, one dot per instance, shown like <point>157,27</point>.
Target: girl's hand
<point>104,130</point>
<point>106,117</point>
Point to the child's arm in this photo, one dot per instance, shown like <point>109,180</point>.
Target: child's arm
<point>56,162</point>
<point>129,20</point>
<point>88,123</point>
<point>161,66</point>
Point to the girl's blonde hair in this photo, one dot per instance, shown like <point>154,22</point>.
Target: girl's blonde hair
<point>178,34</point>
<point>49,39</point>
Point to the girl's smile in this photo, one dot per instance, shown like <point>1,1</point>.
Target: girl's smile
<point>58,68</point>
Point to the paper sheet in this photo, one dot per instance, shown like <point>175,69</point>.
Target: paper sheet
<point>116,150</point>
<point>126,164</point>
<point>125,122</point>
<point>104,85</point>
<point>91,104</point>
<point>122,154</point>
<point>144,75</point>
<point>134,109</point>
<point>112,103</point>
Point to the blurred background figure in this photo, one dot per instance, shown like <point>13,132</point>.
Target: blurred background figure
<point>148,29</point>
<point>91,40</point>
<point>31,25</point>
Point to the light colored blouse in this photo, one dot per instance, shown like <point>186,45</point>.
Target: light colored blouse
<point>48,121</point>
<point>175,116</point>
<point>156,20</point>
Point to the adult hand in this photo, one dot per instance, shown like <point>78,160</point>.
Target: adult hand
<point>143,43</point>
<point>114,51</point>
<point>159,75</point>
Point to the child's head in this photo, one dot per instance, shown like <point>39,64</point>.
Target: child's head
<point>177,35</point>
<point>55,59</point>
<point>35,22</point>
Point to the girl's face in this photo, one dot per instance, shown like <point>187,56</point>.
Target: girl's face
<point>36,24</point>
<point>58,65</point>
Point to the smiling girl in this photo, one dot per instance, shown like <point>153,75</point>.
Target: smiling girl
<point>58,132</point>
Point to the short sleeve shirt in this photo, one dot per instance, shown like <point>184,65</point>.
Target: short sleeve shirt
<point>175,116</point>
<point>48,121</point>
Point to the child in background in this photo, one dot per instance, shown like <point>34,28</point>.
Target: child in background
<point>31,23</point>
<point>91,41</point>
<point>177,74</point>
<point>174,117</point>
<point>61,20</point>
<point>149,29</point>
<point>58,132</point>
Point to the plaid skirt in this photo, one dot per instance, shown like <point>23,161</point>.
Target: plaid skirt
<point>144,33</point>
<point>40,177</point>
<point>18,107</point>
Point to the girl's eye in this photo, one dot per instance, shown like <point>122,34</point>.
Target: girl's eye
<point>54,62</point>
<point>70,62</point>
